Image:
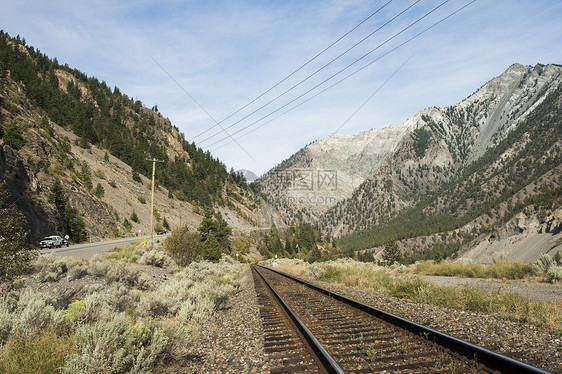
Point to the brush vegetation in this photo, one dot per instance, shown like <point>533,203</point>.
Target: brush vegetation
<point>119,317</point>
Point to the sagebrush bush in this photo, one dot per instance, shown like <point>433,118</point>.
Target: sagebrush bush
<point>99,268</point>
<point>543,264</point>
<point>554,274</point>
<point>42,352</point>
<point>123,346</point>
<point>159,259</point>
<point>51,268</point>
<point>153,304</point>
<point>119,272</point>
<point>113,327</point>
<point>25,312</point>
<point>93,308</point>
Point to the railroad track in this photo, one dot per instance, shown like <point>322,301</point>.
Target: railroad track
<point>311,330</point>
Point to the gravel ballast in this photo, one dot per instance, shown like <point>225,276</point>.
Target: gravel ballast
<point>233,341</point>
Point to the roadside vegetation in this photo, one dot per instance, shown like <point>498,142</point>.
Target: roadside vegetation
<point>380,279</point>
<point>546,268</point>
<point>135,311</point>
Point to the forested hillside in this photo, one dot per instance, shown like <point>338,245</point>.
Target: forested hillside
<point>440,179</point>
<point>55,120</point>
<point>523,173</point>
<point>106,117</point>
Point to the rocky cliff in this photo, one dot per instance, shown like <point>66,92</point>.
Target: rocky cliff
<point>377,174</point>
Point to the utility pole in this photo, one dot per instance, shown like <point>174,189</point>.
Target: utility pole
<point>154,161</point>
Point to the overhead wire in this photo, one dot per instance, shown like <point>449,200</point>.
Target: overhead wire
<point>295,71</point>
<point>337,73</point>
<point>317,94</point>
<point>318,70</point>
<point>341,80</point>
<point>201,106</point>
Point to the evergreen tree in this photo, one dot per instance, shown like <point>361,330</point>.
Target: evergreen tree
<point>214,224</point>
<point>99,191</point>
<point>74,223</point>
<point>13,137</point>
<point>16,253</point>
<point>211,248</point>
<point>86,174</point>
<point>391,253</point>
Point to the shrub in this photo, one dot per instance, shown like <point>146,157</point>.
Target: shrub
<point>127,225</point>
<point>42,352</point>
<point>543,264</point>
<point>26,312</point>
<point>183,246</point>
<point>153,304</point>
<point>119,272</point>
<point>93,308</point>
<point>102,346</point>
<point>123,346</point>
<point>141,199</point>
<point>16,254</point>
<point>100,174</point>
<point>157,258</point>
<point>13,136</point>
<point>99,191</point>
<point>554,274</point>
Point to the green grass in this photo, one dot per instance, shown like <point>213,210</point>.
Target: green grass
<point>129,253</point>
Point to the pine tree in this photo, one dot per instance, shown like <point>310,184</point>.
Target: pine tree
<point>16,253</point>
<point>211,248</point>
<point>391,253</point>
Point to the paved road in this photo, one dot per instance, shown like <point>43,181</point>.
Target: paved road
<point>87,250</point>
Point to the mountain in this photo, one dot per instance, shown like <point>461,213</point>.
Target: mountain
<point>76,155</point>
<point>439,171</point>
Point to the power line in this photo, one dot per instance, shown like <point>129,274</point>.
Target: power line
<point>323,67</point>
<point>341,80</point>
<point>295,71</point>
<point>341,71</point>
<point>370,97</point>
<point>202,108</point>
<point>317,94</point>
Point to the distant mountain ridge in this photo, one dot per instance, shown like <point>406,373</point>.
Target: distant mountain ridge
<point>381,173</point>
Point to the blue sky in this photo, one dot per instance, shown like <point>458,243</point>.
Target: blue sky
<point>224,54</point>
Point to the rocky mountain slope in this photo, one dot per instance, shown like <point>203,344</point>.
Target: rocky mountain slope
<point>435,155</point>
<point>58,124</point>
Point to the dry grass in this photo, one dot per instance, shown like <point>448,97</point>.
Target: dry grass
<point>500,270</point>
<point>509,305</point>
<point>41,353</point>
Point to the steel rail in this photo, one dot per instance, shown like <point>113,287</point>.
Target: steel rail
<point>327,361</point>
<point>491,360</point>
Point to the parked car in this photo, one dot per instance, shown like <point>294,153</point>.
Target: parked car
<point>52,242</point>
<point>161,232</point>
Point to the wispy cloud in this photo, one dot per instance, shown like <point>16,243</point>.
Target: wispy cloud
<point>226,53</point>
